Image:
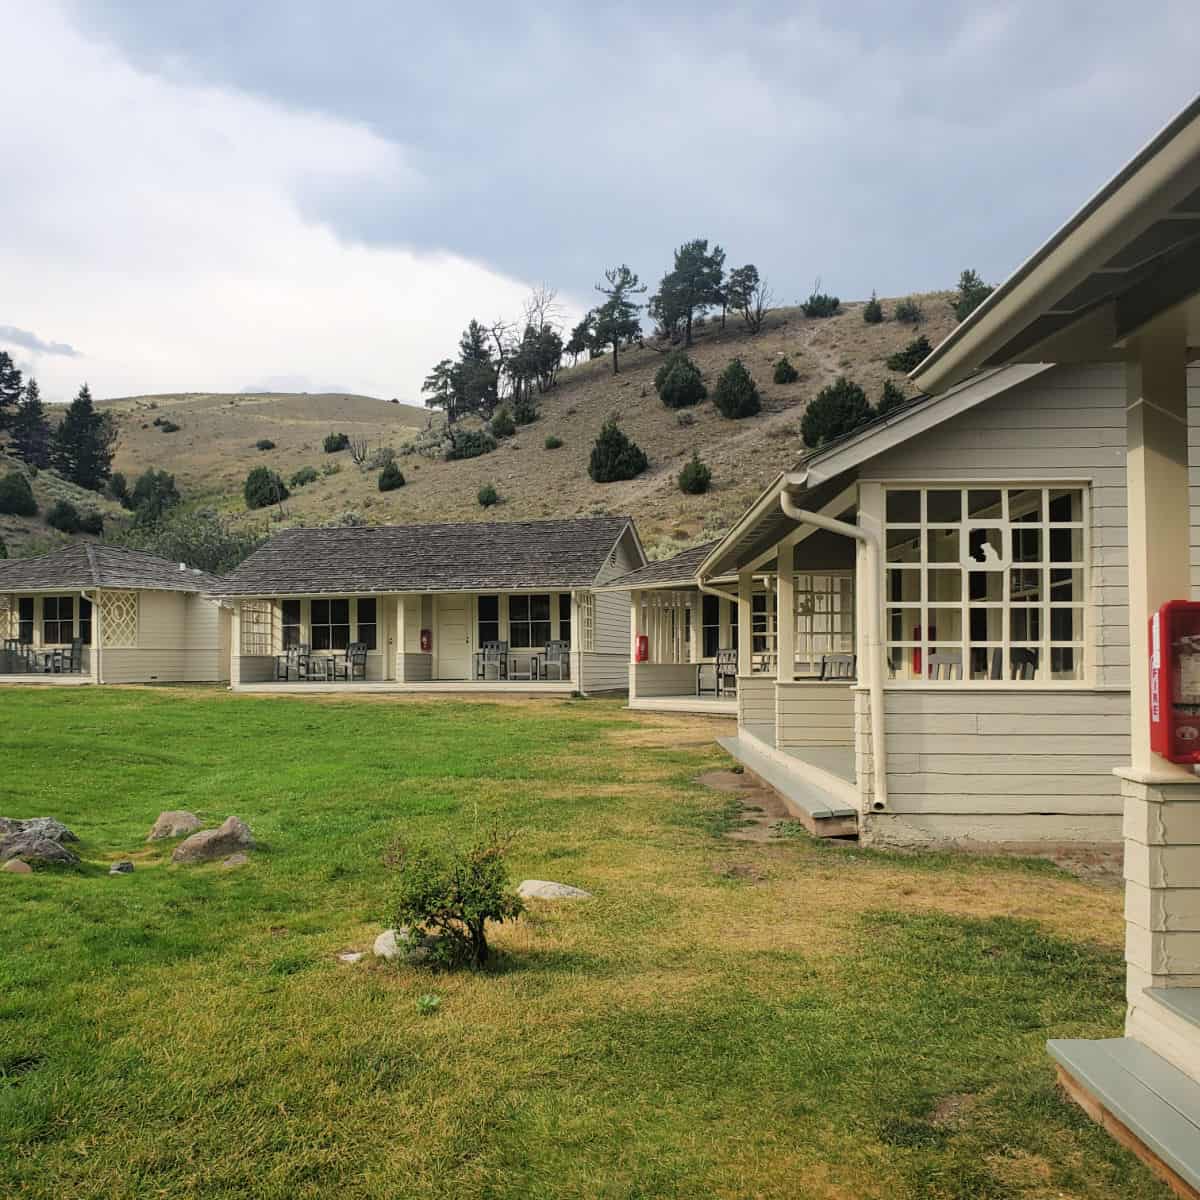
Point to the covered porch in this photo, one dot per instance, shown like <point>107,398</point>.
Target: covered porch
<point>46,638</point>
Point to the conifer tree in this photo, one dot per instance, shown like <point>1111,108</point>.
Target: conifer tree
<point>693,286</point>
<point>83,443</point>
<point>616,319</point>
<point>30,435</point>
<point>10,388</point>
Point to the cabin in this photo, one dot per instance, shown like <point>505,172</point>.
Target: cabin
<point>480,606</point>
<point>89,614</point>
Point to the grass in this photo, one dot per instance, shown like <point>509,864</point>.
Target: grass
<point>830,1025</point>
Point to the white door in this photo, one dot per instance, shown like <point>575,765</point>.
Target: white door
<point>452,647</point>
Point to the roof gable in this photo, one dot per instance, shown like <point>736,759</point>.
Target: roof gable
<point>81,565</point>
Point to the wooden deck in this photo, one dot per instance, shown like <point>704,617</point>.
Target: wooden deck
<point>514,687</point>
<point>709,706</point>
<point>44,679</point>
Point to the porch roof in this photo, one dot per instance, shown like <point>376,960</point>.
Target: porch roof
<point>677,571</point>
<point>474,556</point>
<point>82,565</point>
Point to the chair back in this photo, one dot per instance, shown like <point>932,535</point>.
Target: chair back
<point>74,657</point>
<point>557,651</point>
<point>944,664</point>
<point>1024,662</point>
<point>495,647</point>
<point>13,644</point>
<point>356,653</point>
<point>727,661</point>
<point>838,666</point>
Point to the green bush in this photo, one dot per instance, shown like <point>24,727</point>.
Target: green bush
<point>264,444</point>
<point>821,304</point>
<point>873,310</point>
<point>381,458</point>
<point>695,477</point>
<point>784,371</point>
<point>263,487</point>
<point>907,359</point>
<point>614,456</point>
<point>391,478</point>
<point>908,311</point>
<point>837,409</point>
<point>502,424</point>
<point>303,477</point>
<point>737,393</point>
<point>449,896</point>
<point>91,522</point>
<point>678,381</point>
<point>972,292</point>
<point>331,469</point>
<point>488,496</point>
<point>524,409</point>
<point>892,397</point>
<point>168,426</point>
<point>63,516</point>
<point>16,496</point>
<point>553,443</point>
<point>469,443</point>
<point>118,489</point>
<point>3,549</point>
<point>335,442</point>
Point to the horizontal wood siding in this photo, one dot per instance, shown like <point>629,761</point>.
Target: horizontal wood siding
<point>418,668</point>
<point>606,666</point>
<point>255,668</point>
<point>756,700</point>
<point>813,714</point>
<point>178,641</point>
<point>664,679</point>
<point>1067,423</point>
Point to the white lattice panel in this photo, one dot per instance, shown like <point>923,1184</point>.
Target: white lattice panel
<point>119,619</point>
<point>257,627</point>
<point>7,617</point>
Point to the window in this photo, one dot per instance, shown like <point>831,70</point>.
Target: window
<point>986,584</point>
<point>290,623</point>
<point>528,621</point>
<point>85,620</point>
<point>330,624</point>
<point>710,627</point>
<point>257,619</point>
<point>366,621</point>
<point>25,620</point>
<point>824,619</point>
<point>587,621</point>
<point>762,632</point>
<point>58,620</point>
<point>489,619</point>
<point>564,617</point>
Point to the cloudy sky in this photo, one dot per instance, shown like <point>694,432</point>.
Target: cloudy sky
<point>304,195</point>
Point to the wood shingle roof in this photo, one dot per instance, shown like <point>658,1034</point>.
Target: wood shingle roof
<point>82,565</point>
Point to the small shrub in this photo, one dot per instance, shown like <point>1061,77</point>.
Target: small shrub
<point>524,409</point>
<point>892,397</point>
<point>820,304</point>
<point>264,444</point>
<point>836,410</point>
<point>429,1003</point>
<point>331,469</point>
<point>488,496</point>
<point>614,456</point>
<point>263,487</point>
<point>16,496</point>
<point>157,420</point>
<point>391,478</point>
<point>469,443</point>
<point>382,458</point>
<point>63,516</point>
<point>118,489</point>
<point>502,424</point>
<point>685,419</point>
<point>908,311</point>
<point>784,371</point>
<point>91,522</point>
<point>553,443</point>
<point>450,895</point>
<point>349,519</point>
<point>167,426</point>
<point>695,478</point>
<point>907,359</point>
<point>303,477</point>
<point>678,381</point>
<point>873,310</point>
<point>737,393</point>
<point>972,292</point>
<point>335,442</point>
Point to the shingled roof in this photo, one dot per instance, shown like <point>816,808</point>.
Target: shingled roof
<point>82,565</point>
<point>473,556</point>
<point>680,569</point>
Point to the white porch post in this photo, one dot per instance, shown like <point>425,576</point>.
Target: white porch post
<point>235,645</point>
<point>400,633</point>
<point>785,609</point>
<point>97,635</point>
<point>745,629</point>
<point>635,611</point>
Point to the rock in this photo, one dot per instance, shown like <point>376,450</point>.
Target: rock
<point>173,824</point>
<point>544,889</point>
<point>393,944</point>
<point>386,945</point>
<point>240,859</point>
<point>231,837</point>
<point>32,849</point>
<point>125,867</point>
<point>48,827</point>
<point>15,866</point>
<point>353,956</point>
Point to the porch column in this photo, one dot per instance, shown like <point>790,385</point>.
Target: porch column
<point>745,634</point>
<point>97,635</point>
<point>235,645</point>
<point>635,612</point>
<point>785,609</point>
<point>398,670</point>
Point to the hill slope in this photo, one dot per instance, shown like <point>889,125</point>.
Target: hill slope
<point>215,445</point>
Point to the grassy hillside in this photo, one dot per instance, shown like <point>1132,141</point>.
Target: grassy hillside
<point>215,445</point>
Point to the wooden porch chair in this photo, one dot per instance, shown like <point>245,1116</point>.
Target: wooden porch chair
<point>1024,663</point>
<point>70,660</point>
<point>293,661</point>
<point>838,666</point>
<point>353,664</point>
<point>727,669</point>
<point>557,659</point>
<point>493,657</point>
<point>945,664</point>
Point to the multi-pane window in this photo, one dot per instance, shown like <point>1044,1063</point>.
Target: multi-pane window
<point>330,624</point>
<point>85,620</point>
<point>564,617</point>
<point>762,632</point>
<point>25,620</point>
<point>528,621</point>
<point>289,618</point>
<point>986,584</point>
<point>489,619</point>
<point>824,619</point>
<point>587,621</point>
<point>256,624</point>
<point>58,620</point>
<point>710,626</point>
<point>365,610</point>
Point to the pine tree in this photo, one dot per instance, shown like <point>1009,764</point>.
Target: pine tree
<point>30,433</point>
<point>972,292</point>
<point>616,319</point>
<point>736,395</point>
<point>873,310</point>
<point>693,286</point>
<point>10,388</point>
<point>614,456</point>
<point>892,397</point>
<point>83,444</point>
<point>837,409</point>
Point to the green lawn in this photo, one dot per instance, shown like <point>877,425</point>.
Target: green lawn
<point>819,1023</point>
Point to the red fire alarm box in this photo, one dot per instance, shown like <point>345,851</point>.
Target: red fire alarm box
<point>642,650</point>
<point>426,641</point>
<point>1175,681</point>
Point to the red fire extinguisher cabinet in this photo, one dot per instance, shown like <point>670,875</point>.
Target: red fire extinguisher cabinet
<point>1175,681</point>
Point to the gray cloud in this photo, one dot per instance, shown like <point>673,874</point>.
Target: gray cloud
<point>30,341</point>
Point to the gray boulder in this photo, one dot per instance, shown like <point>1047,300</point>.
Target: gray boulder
<point>402,944</point>
<point>544,889</point>
<point>174,824</point>
<point>124,867</point>
<point>35,849</point>
<point>228,839</point>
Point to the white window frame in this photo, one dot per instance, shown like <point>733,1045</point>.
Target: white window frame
<point>587,621</point>
<point>899,649</point>
<point>257,621</point>
<point>764,634</point>
<point>813,599</point>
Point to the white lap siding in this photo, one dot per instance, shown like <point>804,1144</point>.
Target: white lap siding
<point>756,705</point>
<point>606,665</point>
<point>664,679</point>
<point>179,640</point>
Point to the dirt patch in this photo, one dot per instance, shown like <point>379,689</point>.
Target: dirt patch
<point>952,1111</point>
<point>724,781</point>
<point>743,872</point>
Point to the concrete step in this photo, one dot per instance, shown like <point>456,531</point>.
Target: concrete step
<point>1183,1002</point>
<point>1147,1104</point>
